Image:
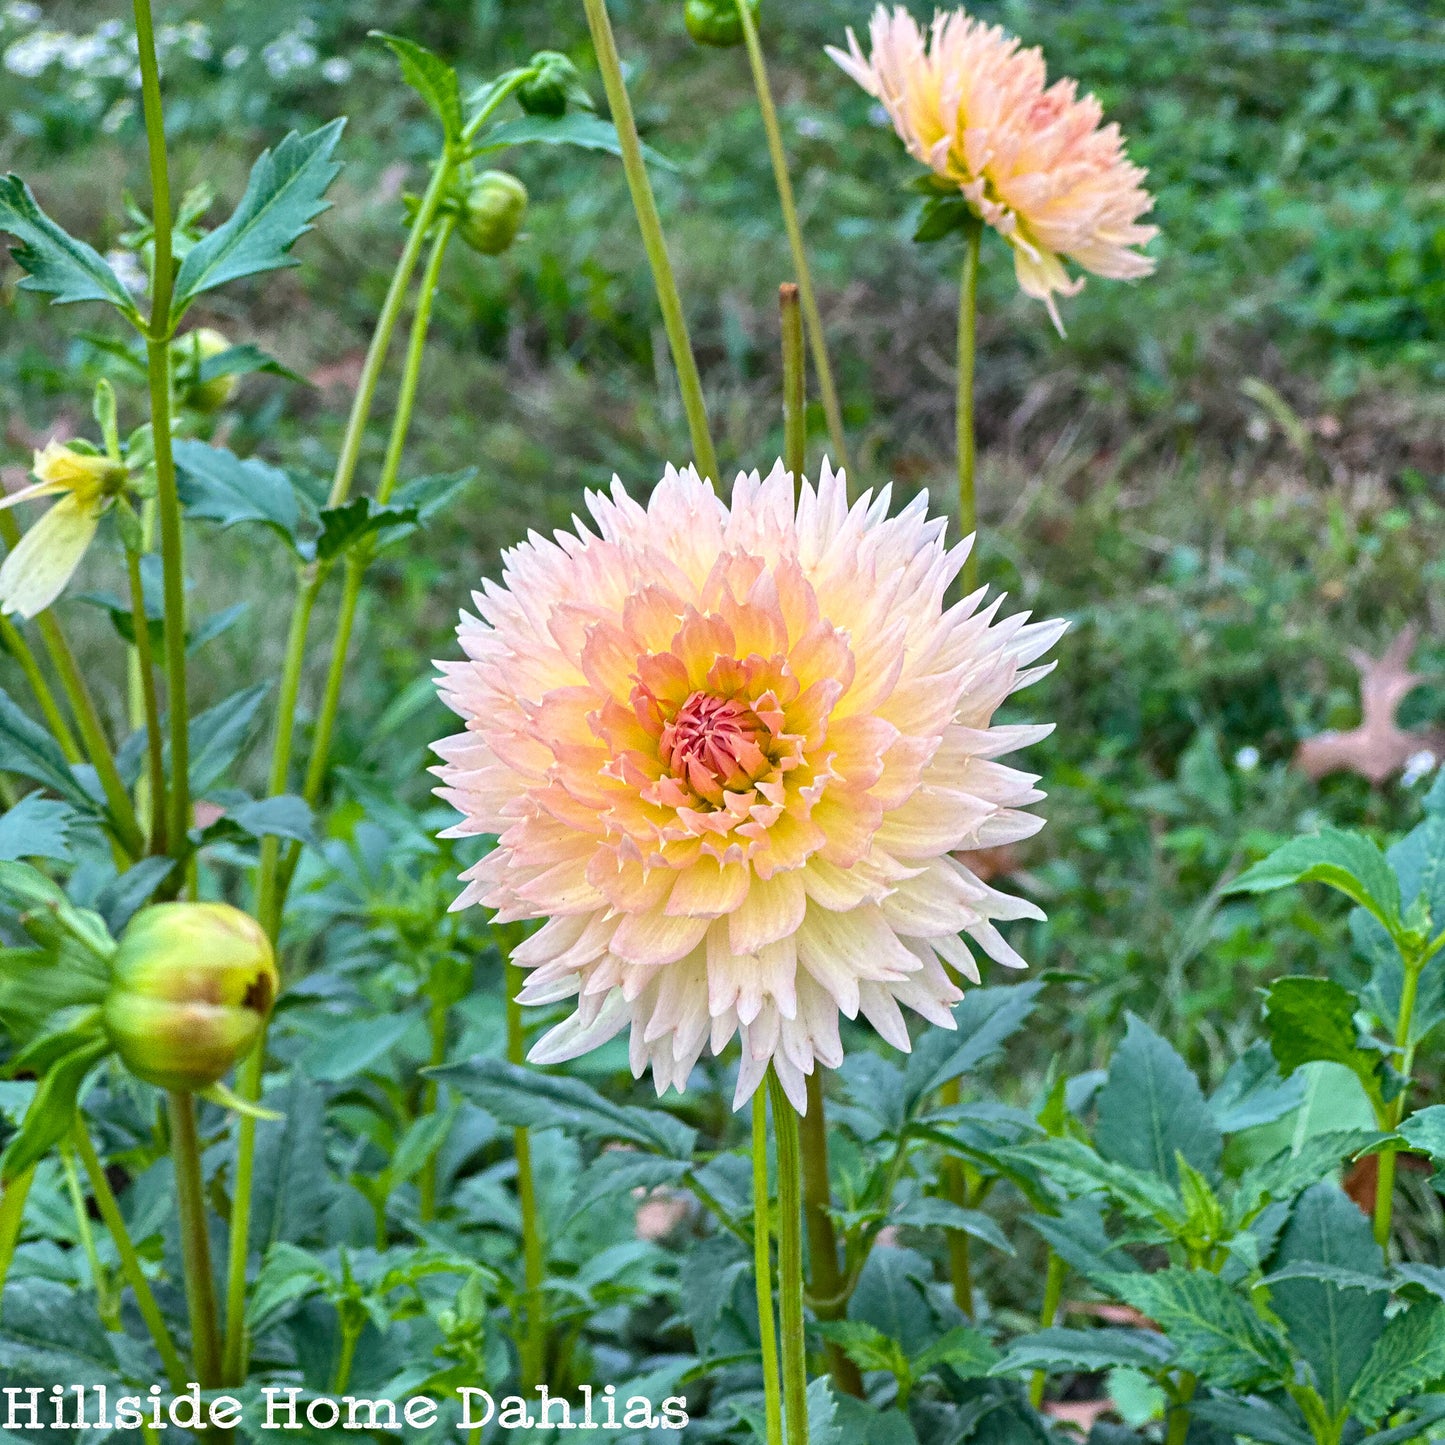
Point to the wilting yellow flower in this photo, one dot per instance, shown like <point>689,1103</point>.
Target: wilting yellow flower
<point>728,754</point>
<point>1032,161</point>
<point>42,562</point>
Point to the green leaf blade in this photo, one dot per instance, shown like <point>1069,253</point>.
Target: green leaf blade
<point>57,263</point>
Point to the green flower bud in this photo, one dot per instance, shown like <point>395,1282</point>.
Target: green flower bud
<point>716,22</point>
<point>554,87</point>
<point>493,211</point>
<point>191,986</point>
<point>191,352</point>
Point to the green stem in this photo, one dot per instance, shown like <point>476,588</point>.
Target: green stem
<point>437,1022</point>
<point>790,1263</point>
<point>92,733</point>
<point>829,1292</point>
<point>532,1348</point>
<point>158,374</point>
<point>1053,1295</point>
<point>650,224</point>
<point>155,750</point>
<point>967,345</point>
<point>13,1195</point>
<point>1179,1412</point>
<point>1404,1058</point>
<point>955,1190</point>
<point>130,1264</point>
<point>795,385</point>
<point>763,1272</point>
<point>106,1307</point>
<point>818,342</point>
<point>195,1240</point>
<point>15,644</point>
<point>342,1378</point>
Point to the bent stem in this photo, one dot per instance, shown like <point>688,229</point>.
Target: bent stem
<point>818,343</point>
<point>146,676</point>
<point>763,1272</point>
<point>829,1292</point>
<point>1053,1294</point>
<point>195,1241</point>
<point>130,1264</point>
<point>790,1263</point>
<point>158,375</point>
<point>532,1347</point>
<point>650,224</point>
<point>967,327</point>
<point>1404,1061</point>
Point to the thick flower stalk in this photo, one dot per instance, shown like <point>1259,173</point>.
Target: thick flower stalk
<point>729,754</point>
<point>36,570</point>
<point>1031,159</point>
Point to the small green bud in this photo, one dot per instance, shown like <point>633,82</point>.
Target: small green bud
<point>191,986</point>
<point>492,213</point>
<point>191,352</point>
<point>555,85</point>
<point>717,22</point>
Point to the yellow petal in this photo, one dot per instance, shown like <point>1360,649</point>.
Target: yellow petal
<point>32,493</point>
<point>36,571</point>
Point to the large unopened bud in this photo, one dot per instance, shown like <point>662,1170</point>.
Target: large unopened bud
<point>493,211</point>
<point>716,22</point>
<point>555,84</point>
<point>191,352</point>
<point>191,986</point>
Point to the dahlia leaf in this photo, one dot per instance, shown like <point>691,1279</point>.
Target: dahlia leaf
<point>27,749</point>
<point>1334,1328</point>
<point>348,1050</point>
<point>1252,1092</point>
<point>1424,1132</point>
<point>283,196</point>
<point>1084,1350</point>
<point>350,524</point>
<point>891,1295</point>
<point>1313,1020</point>
<point>986,1018</point>
<point>1077,1235</point>
<point>1347,862</point>
<point>218,735</point>
<point>1151,1107</point>
<point>37,827</point>
<point>929,1212</point>
<point>218,486</point>
<point>1296,1167</point>
<point>432,79</point>
<point>58,264</point>
<point>1215,1333</point>
<point>52,1112</point>
<point>123,896</point>
<point>1254,1419</point>
<point>576,128</point>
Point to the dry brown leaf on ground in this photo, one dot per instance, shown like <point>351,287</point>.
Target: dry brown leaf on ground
<point>1379,747</point>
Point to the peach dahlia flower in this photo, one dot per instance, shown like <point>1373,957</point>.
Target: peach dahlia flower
<point>1032,161</point>
<point>729,754</point>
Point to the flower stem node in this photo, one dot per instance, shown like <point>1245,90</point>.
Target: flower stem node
<point>191,986</point>
<point>716,22</point>
<point>554,87</point>
<point>190,353</point>
<point>492,213</point>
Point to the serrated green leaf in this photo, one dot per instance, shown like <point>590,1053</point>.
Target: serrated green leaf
<point>288,1276</point>
<point>1331,1274</point>
<point>890,1296</point>
<point>1254,1419</point>
<point>122,897</point>
<point>576,128</point>
<point>1409,1356</point>
<point>1084,1350</point>
<point>37,827</point>
<point>868,1347</point>
<point>1333,1329</point>
<point>283,196</point>
<point>1151,1107</point>
<point>283,816</point>
<point>985,1019</point>
<point>1424,1132</point>
<point>52,1112</point>
<point>218,735</point>
<point>1312,1020</point>
<point>1252,1091</point>
<point>56,262</point>
<point>347,1050</point>
<point>1285,1174</point>
<point>1425,1411</point>
<point>1347,862</point>
<point>218,486</point>
<point>1216,1334</point>
<point>967,1352</point>
<point>1075,1167</point>
<point>517,1096</point>
<point>27,749</point>
<point>431,77</point>
<point>1077,1235</point>
<point>243,360</point>
<point>930,1212</point>
<point>1428,1277</point>
<point>351,523</point>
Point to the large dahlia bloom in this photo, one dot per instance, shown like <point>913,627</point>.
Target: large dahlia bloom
<point>730,753</point>
<point>1032,161</point>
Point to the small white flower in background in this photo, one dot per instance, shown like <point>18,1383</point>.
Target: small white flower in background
<point>110,123</point>
<point>21,13</point>
<point>1418,765</point>
<point>36,53</point>
<point>235,57</point>
<point>83,51</point>
<point>45,558</point>
<point>288,53</point>
<point>1247,759</point>
<point>337,70</point>
<point>126,265</point>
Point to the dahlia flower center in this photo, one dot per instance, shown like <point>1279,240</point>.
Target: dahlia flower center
<point>714,744</point>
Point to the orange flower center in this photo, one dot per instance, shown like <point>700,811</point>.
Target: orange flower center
<point>714,744</point>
